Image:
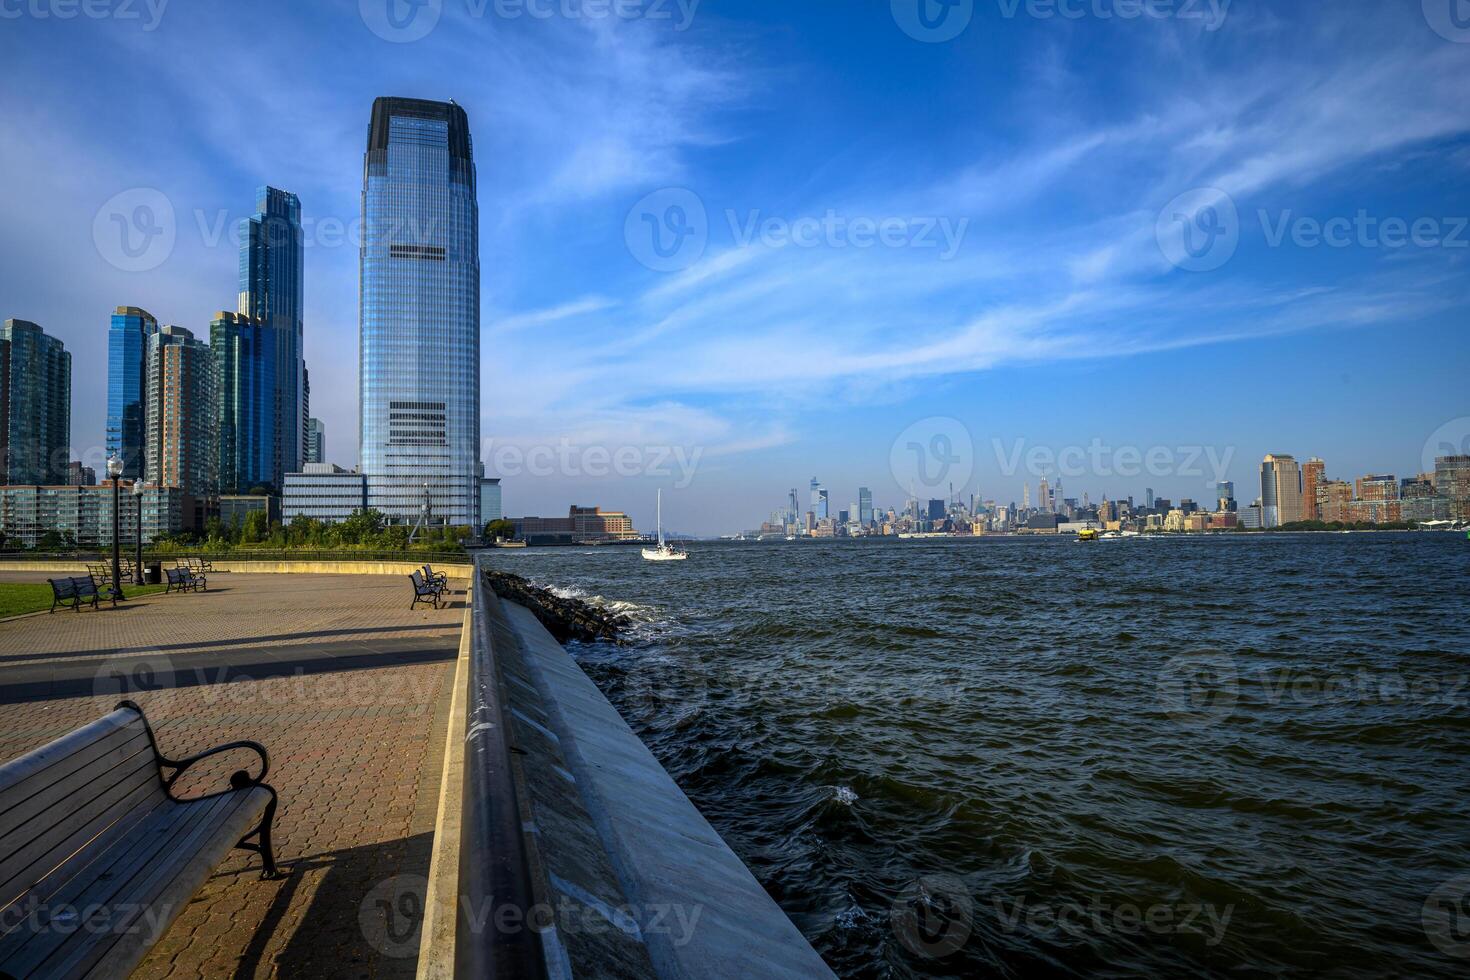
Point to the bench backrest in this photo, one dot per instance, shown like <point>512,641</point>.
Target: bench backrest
<point>98,780</point>
<point>174,574</point>
<point>64,588</point>
<point>419,585</point>
<point>83,586</point>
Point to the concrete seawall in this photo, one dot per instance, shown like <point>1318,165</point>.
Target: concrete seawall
<point>633,880</point>
<point>262,567</point>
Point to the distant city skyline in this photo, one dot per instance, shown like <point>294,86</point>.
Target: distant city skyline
<point>773,353</point>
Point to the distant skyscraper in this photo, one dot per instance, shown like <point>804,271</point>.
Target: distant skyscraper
<point>1281,490</point>
<point>1148,498</point>
<point>419,369</point>
<point>1225,495</point>
<point>820,501</point>
<point>244,353</point>
<point>936,510</point>
<point>35,406</point>
<point>271,270</point>
<point>127,381</point>
<point>1025,496</point>
<point>491,508</point>
<point>180,419</point>
<point>316,442</point>
<point>1043,495</point>
<point>865,506</point>
<point>1313,476</point>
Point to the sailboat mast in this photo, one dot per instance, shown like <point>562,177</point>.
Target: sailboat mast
<point>659,510</point>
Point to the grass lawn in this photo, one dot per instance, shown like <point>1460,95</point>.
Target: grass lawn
<point>25,597</point>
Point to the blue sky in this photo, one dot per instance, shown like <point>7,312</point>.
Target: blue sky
<point>1032,177</point>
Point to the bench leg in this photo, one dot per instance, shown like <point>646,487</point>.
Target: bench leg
<point>263,845</point>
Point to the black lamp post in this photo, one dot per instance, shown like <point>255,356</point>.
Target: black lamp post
<point>114,470</point>
<point>138,560</point>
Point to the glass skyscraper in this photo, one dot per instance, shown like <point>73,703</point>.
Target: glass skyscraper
<point>244,352</point>
<point>127,385</point>
<point>35,406</point>
<point>271,272</point>
<point>419,368</point>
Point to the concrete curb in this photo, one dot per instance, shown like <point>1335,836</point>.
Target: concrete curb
<point>441,900</point>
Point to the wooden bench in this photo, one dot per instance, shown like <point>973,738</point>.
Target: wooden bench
<point>97,854</point>
<point>424,591</point>
<point>74,592</point>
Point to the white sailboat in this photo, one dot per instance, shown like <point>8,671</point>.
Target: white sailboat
<point>664,551</point>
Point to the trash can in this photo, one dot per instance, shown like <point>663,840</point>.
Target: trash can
<point>153,573</point>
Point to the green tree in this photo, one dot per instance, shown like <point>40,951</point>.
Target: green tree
<point>256,527</point>
<point>501,529</point>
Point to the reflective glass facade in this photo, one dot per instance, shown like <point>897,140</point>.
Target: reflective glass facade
<point>127,380</point>
<point>35,406</point>
<point>244,352</point>
<point>420,313</point>
<point>271,270</point>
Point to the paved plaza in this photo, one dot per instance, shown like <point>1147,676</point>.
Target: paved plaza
<point>349,691</point>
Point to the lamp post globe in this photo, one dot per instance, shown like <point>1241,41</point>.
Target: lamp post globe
<point>114,470</point>
<point>138,555</point>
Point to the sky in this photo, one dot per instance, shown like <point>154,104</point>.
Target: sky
<point>727,247</point>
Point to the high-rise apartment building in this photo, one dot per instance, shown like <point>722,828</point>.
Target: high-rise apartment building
<point>271,273</point>
<point>419,313</point>
<point>316,442</point>
<point>1314,474</point>
<point>244,353</point>
<point>865,506</point>
<point>127,383</point>
<point>35,405</point>
<point>180,417</point>
<point>1281,490</point>
<point>1452,482</point>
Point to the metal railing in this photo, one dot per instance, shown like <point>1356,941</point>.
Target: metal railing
<point>494,871</point>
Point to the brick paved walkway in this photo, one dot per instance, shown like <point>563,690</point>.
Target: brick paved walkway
<point>346,688</point>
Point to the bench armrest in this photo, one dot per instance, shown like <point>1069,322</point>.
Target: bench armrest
<point>240,779</point>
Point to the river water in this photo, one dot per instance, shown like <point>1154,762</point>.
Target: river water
<point>1244,754</point>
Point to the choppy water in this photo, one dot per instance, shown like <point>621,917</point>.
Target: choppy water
<point>1245,755</point>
